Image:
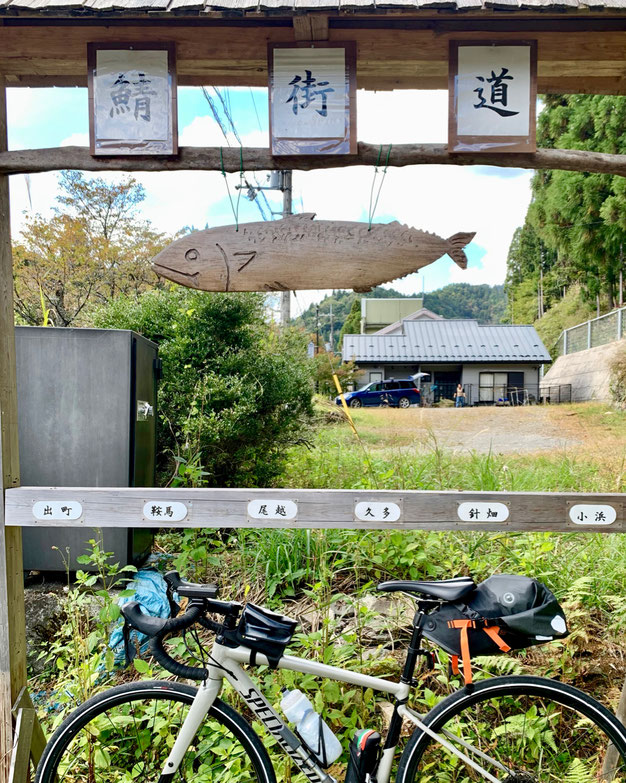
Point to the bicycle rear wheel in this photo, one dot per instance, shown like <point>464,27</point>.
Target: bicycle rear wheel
<point>125,735</point>
<point>533,730</point>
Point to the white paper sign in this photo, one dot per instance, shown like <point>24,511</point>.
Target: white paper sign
<point>483,512</point>
<point>377,512</point>
<point>493,90</point>
<point>309,93</point>
<point>57,510</point>
<point>592,514</point>
<point>132,100</point>
<point>165,510</point>
<point>272,508</point>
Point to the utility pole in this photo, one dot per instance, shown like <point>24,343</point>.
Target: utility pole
<point>317,329</point>
<point>621,275</point>
<point>278,180</point>
<point>332,337</point>
<point>285,297</point>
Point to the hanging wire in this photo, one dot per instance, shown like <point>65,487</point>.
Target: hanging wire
<point>258,119</point>
<point>372,207</point>
<point>233,206</point>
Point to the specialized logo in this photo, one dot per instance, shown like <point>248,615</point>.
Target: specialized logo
<point>276,727</point>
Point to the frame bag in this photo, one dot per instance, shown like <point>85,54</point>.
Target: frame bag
<point>503,613</point>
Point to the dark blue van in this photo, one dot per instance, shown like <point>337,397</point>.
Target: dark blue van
<point>396,393</point>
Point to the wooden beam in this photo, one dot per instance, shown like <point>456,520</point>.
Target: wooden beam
<point>6,723</point>
<point>310,27</point>
<point>12,619</point>
<point>38,738</point>
<point>260,159</point>
<point>20,759</point>
<point>315,508</point>
<point>570,60</point>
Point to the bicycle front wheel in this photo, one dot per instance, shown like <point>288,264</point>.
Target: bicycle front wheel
<point>519,730</point>
<point>125,735</point>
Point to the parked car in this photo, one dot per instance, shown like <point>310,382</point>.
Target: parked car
<point>395,393</point>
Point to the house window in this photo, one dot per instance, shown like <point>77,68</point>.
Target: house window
<point>376,376</point>
<point>492,386</point>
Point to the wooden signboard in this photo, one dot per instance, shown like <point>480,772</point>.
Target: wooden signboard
<point>132,99</point>
<point>301,253</point>
<point>492,96</point>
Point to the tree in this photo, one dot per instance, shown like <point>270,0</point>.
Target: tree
<point>581,217</point>
<point>352,324</point>
<point>328,364</point>
<point>236,391</point>
<point>91,250</point>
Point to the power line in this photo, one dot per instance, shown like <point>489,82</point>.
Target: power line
<point>258,119</point>
<point>215,113</point>
<point>228,115</point>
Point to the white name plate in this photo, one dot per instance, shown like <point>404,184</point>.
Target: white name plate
<point>57,510</point>
<point>162,510</point>
<point>483,512</point>
<point>592,514</point>
<point>377,512</point>
<point>271,508</point>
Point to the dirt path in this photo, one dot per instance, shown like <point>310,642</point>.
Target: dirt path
<point>501,430</point>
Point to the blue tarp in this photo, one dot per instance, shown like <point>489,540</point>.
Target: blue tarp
<point>150,590</point>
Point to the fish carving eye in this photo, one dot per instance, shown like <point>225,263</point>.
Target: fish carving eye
<point>192,255</point>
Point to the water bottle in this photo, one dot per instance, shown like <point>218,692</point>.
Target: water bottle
<point>312,729</point>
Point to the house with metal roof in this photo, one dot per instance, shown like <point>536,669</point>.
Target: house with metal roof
<point>493,362</point>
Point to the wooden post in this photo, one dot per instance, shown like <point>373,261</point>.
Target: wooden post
<point>12,621</point>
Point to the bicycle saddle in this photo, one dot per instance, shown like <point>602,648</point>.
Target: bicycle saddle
<point>446,589</point>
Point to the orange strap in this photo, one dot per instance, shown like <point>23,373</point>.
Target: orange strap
<point>463,626</point>
<point>494,634</point>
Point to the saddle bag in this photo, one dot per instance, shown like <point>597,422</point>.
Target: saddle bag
<point>503,613</point>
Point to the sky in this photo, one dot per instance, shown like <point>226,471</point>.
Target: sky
<point>441,199</point>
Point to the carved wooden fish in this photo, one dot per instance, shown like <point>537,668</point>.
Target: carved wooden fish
<point>298,253</point>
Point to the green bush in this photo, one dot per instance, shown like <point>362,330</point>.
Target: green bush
<point>236,391</point>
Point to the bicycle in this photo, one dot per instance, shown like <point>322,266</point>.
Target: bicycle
<point>512,729</point>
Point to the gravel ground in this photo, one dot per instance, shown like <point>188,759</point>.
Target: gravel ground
<point>502,430</point>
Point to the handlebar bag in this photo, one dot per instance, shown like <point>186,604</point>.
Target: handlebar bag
<point>265,632</point>
<point>503,613</point>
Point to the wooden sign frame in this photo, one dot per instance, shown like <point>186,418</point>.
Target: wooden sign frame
<point>346,145</point>
<point>489,144</point>
<point>170,146</point>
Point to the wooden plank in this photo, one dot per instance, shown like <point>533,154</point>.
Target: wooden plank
<point>314,508</point>
<point>310,27</point>
<point>20,760</point>
<point>260,159</point>
<point>38,738</point>
<point>12,620</point>
<point>569,60</point>
<point>6,723</point>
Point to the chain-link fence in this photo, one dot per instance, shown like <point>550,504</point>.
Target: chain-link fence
<point>591,334</point>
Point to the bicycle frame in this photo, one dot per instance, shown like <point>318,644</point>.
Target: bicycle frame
<point>225,663</point>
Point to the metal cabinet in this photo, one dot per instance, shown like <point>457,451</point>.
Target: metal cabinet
<point>87,417</point>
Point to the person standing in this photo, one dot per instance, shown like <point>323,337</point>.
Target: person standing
<point>459,396</point>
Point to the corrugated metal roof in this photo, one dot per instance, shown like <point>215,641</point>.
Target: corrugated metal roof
<point>169,7</point>
<point>448,341</point>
